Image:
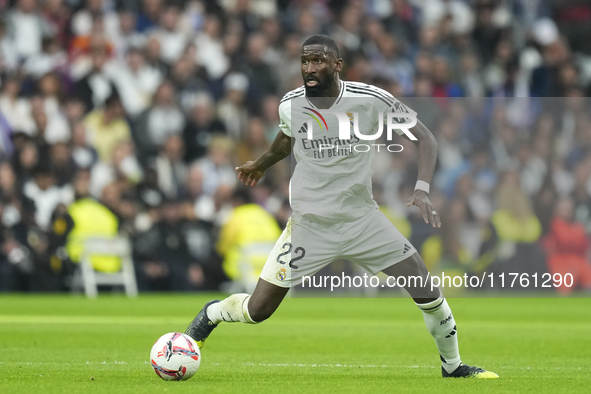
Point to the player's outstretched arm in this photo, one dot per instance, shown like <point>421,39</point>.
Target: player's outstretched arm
<point>427,147</point>
<point>252,171</point>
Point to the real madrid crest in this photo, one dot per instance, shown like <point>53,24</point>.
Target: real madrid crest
<point>350,115</point>
<point>281,274</point>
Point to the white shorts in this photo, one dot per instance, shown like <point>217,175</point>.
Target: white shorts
<point>306,247</point>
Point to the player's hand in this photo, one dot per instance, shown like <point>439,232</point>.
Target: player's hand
<point>421,200</point>
<point>249,173</point>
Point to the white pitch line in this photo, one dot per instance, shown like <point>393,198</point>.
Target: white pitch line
<point>330,365</point>
<point>92,320</point>
<point>319,365</point>
<point>275,365</point>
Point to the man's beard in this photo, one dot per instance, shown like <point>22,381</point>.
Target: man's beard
<point>322,89</point>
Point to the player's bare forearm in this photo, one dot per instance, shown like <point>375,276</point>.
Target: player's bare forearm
<point>252,171</point>
<point>427,148</point>
<point>279,150</point>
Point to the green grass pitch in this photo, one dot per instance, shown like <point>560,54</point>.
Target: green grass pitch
<point>62,344</point>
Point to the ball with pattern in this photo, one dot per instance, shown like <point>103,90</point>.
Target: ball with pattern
<point>175,356</point>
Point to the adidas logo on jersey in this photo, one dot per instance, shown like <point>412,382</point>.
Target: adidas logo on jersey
<point>406,248</point>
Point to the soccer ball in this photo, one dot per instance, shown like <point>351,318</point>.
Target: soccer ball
<point>175,356</point>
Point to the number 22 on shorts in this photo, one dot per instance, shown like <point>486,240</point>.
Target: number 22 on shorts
<point>298,250</point>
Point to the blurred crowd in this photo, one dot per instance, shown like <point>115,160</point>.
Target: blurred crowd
<point>129,116</point>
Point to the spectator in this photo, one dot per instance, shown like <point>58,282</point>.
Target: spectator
<point>390,64</point>
<point>96,86</point>
<point>188,80</point>
<point>163,119</point>
<point>288,65</point>
<point>8,185</point>
<point>544,79</point>
<point>428,43</point>
<point>25,160</point>
<point>450,152</point>
<point>83,154</point>
<point>82,47</point>
<point>107,127</point>
<point>149,14</point>
<point>495,74</point>
<point>165,261</point>
<point>88,218</point>
<point>580,193</point>
<point>6,145</point>
<point>455,248</point>
<point>16,110</point>
<point>403,21</point>
<point>63,166</point>
<point>45,195</point>
<point>210,50</point>
<point>115,196</point>
<point>514,219</point>
<point>217,166</point>
<point>21,262</point>
<point>258,71</point>
<point>203,205</point>
<point>83,19</point>
<point>544,204</point>
<point>57,15</point>
<point>246,239</point>
<point>232,111</point>
<point>16,265</point>
<point>254,144</point>
<point>346,31</point>
<point>49,102</point>
<point>567,245</point>
<point>270,117</point>
<point>9,58</point>
<point>486,33</point>
<point>136,82</point>
<point>123,167</point>
<point>471,81</point>
<point>201,127</point>
<point>435,10</point>
<point>170,168</point>
<point>172,40</point>
<point>26,28</point>
<point>127,36</point>
<point>50,58</point>
<point>510,243</point>
<point>73,110</point>
<point>153,57</point>
<point>443,86</point>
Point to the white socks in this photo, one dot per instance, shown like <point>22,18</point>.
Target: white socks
<point>232,309</point>
<point>442,326</point>
<point>437,314</point>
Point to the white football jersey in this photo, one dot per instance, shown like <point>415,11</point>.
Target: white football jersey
<point>332,176</point>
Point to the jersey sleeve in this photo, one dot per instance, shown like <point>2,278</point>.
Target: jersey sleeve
<point>285,118</point>
<point>399,108</point>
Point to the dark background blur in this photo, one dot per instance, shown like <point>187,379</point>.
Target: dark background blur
<point>128,117</point>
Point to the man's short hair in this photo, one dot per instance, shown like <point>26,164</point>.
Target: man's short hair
<point>326,41</point>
